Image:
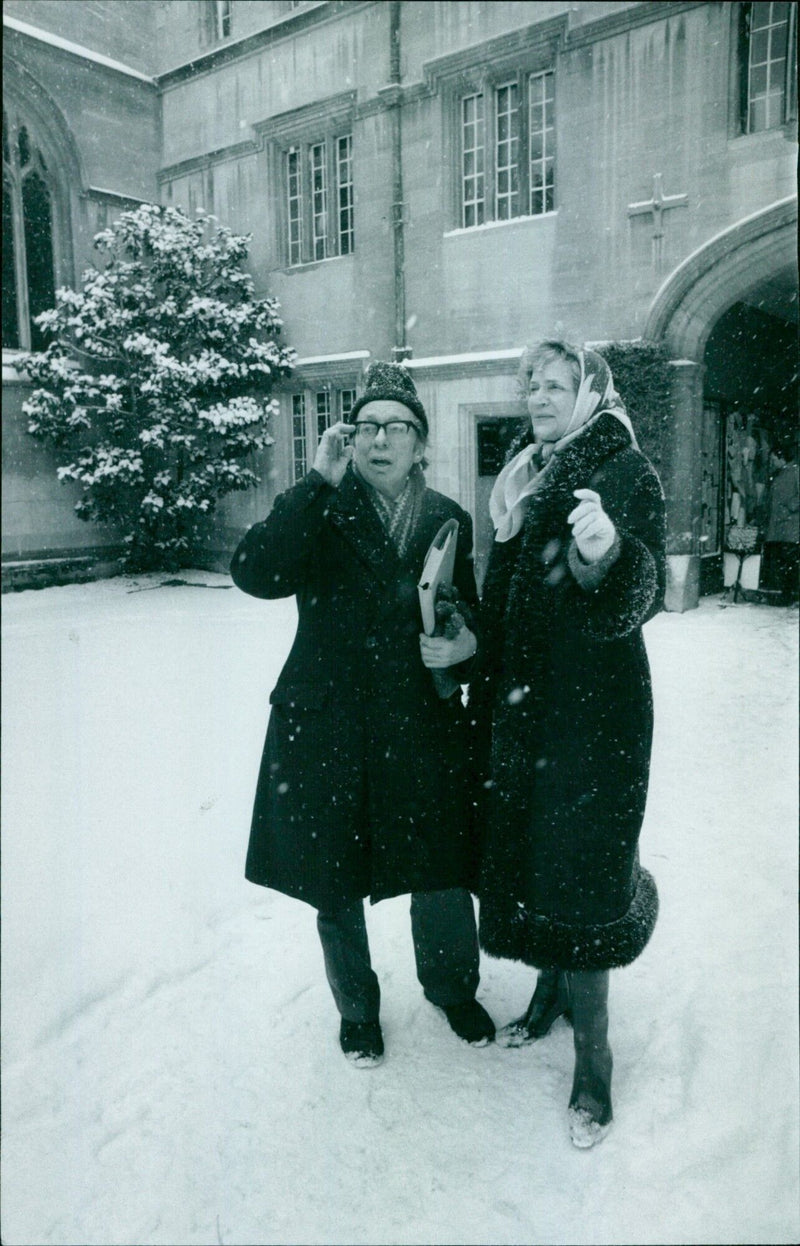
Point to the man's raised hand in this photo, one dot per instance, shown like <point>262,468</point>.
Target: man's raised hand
<point>334,452</point>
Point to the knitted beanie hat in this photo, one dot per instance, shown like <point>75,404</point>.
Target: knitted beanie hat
<point>390,382</point>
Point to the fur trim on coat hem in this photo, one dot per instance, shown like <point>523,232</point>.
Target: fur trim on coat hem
<point>548,944</point>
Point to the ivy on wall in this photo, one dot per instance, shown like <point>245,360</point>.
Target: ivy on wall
<point>643,379</point>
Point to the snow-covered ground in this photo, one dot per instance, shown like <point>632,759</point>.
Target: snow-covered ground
<point>171,1066</point>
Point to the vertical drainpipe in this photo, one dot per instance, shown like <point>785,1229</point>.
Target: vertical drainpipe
<point>400,350</point>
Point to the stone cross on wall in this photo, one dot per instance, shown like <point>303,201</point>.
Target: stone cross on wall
<point>657,206</point>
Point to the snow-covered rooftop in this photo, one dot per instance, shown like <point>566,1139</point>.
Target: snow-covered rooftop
<point>77,49</point>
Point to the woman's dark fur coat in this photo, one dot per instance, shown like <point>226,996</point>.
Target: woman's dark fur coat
<point>364,782</point>
<point>564,691</point>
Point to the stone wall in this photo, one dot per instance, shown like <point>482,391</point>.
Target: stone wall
<point>39,521</point>
<point>642,91</point>
<point>97,128</point>
<point>124,32</point>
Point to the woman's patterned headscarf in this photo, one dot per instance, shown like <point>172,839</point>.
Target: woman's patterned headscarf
<point>519,479</point>
<point>596,393</point>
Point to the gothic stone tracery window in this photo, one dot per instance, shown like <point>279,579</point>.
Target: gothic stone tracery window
<point>28,258</point>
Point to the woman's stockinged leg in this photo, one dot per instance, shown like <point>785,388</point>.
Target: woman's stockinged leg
<point>590,1111</point>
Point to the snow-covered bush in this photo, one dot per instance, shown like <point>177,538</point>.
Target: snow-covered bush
<point>155,388</point>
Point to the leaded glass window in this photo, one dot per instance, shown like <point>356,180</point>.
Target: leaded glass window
<point>542,143</point>
<point>473,156</point>
<point>507,152</point>
<point>323,406</point>
<point>768,65</point>
<point>344,177</point>
<point>299,442</point>
<point>294,192</point>
<point>319,201</point>
<point>507,134</point>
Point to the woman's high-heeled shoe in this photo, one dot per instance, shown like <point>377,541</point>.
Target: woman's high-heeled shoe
<point>550,1001</point>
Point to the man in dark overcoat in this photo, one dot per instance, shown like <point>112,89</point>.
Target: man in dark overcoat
<point>364,786</point>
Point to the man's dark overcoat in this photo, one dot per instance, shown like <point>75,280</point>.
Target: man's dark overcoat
<point>364,784</point>
<point>564,687</point>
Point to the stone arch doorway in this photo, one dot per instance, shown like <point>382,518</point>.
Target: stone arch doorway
<point>728,316</point>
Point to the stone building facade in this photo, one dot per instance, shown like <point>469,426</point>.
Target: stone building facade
<point>441,182</point>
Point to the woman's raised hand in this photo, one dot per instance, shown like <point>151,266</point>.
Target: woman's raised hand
<point>334,452</point>
<point>592,530</point>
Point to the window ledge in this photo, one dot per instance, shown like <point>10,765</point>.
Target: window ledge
<point>775,134</point>
<point>309,264</point>
<point>12,373</point>
<point>515,220</point>
<point>76,49</point>
<point>348,356</point>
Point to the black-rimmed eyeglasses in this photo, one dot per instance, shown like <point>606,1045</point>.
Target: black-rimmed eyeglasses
<point>395,430</point>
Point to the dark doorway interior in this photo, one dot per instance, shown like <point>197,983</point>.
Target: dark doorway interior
<point>494,436</point>
<point>750,408</point>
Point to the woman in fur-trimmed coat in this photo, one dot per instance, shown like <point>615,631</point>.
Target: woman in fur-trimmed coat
<point>564,708</point>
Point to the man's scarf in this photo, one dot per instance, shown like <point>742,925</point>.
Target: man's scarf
<point>399,515</point>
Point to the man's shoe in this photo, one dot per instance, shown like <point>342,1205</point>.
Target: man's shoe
<point>471,1022</point>
<point>361,1042</point>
